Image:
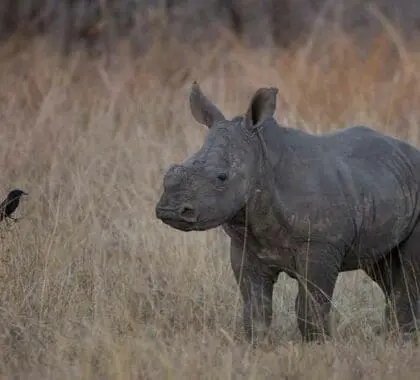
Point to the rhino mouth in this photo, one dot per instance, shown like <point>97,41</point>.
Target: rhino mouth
<point>190,226</point>
<point>177,224</point>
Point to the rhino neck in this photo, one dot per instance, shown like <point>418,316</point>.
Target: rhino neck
<point>265,206</point>
<point>267,197</point>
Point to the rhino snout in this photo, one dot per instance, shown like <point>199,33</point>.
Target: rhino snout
<point>185,213</point>
<point>188,213</point>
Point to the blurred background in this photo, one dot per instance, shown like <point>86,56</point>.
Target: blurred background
<point>256,23</point>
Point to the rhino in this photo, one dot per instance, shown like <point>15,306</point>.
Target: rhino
<point>309,205</point>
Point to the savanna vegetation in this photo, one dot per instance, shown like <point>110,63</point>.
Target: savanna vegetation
<point>92,286</point>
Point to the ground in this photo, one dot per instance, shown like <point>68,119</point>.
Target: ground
<point>94,287</point>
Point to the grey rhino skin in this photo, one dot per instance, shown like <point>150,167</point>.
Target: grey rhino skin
<point>311,206</point>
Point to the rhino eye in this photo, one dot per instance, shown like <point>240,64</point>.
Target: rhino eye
<point>222,177</point>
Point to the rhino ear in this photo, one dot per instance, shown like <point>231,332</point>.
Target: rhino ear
<point>202,109</point>
<point>262,107</point>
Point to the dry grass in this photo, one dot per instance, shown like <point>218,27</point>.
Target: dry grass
<point>93,287</point>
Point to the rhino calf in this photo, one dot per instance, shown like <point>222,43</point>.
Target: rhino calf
<point>311,206</point>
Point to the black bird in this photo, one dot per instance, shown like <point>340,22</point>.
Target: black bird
<point>10,204</point>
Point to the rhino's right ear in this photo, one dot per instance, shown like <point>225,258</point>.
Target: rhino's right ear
<point>202,109</point>
<point>262,107</point>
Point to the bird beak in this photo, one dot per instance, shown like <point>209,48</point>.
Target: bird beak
<point>24,193</point>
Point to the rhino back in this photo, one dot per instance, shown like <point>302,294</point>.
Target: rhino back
<point>355,188</point>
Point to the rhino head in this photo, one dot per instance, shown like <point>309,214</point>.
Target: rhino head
<point>209,188</point>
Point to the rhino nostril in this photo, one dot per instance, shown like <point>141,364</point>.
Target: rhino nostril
<point>188,213</point>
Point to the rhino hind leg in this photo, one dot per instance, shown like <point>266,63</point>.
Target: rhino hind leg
<point>317,273</point>
<point>384,273</point>
<point>405,290</point>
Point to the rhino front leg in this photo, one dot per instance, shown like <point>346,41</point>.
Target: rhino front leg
<point>256,284</point>
<point>317,273</point>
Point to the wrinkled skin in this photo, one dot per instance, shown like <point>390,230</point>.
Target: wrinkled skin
<point>311,206</point>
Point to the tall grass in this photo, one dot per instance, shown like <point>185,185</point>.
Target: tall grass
<point>94,287</point>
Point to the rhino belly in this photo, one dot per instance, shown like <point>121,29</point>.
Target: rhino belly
<point>374,244</point>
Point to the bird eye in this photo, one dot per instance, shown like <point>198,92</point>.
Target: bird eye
<point>222,177</point>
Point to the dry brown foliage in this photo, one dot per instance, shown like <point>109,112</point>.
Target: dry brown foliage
<point>92,286</point>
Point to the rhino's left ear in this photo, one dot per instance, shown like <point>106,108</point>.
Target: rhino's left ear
<point>262,107</point>
<point>202,109</point>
